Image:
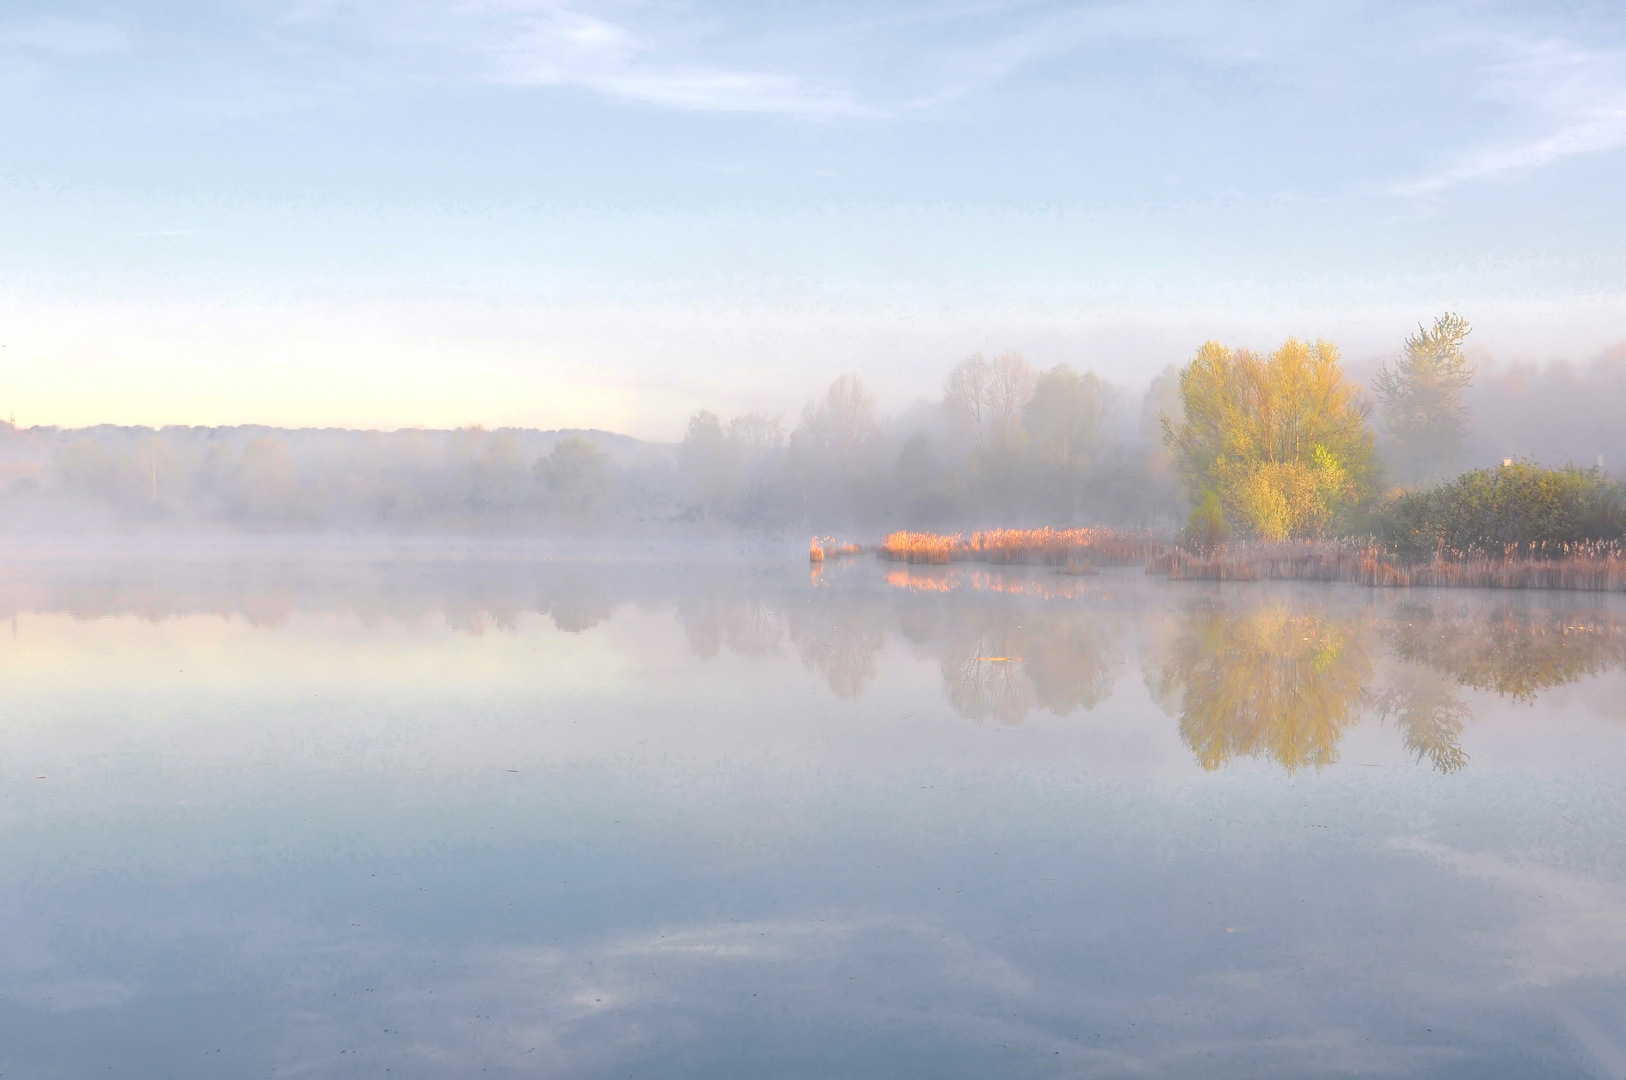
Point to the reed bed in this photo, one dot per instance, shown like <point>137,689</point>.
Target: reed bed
<point>1592,566</point>
<point>1584,567</point>
<point>1046,547</point>
<point>828,547</point>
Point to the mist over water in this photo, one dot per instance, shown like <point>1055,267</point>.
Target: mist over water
<point>437,813</point>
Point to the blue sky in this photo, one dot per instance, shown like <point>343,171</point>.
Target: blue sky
<point>612,213</point>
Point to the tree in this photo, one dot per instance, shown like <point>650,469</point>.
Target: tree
<point>832,447</point>
<point>1281,438</point>
<point>1064,421</point>
<point>985,399</point>
<point>1065,417</point>
<point>924,488</point>
<point>1010,388</point>
<point>708,459</point>
<point>755,436</point>
<point>842,427</point>
<point>1423,411</point>
<point>578,474</point>
<point>966,394</point>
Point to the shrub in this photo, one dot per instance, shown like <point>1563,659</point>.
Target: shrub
<point>1519,507</point>
<point>1207,529</point>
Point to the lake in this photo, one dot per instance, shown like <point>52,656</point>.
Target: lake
<point>441,814</point>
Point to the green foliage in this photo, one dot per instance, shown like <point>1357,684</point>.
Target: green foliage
<point>1207,528</point>
<point>1518,504</point>
<point>1423,411</point>
<point>1282,438</point>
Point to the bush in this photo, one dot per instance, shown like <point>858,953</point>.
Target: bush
<point>1207,529</point>
<point>1518,506</point>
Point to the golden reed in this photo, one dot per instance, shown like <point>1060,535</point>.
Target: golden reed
<point>828,547</point>
<point>1050,547</point>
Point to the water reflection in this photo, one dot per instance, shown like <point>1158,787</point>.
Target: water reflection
<point>1000,662</point>
<point>1275,680</point>
<point>1516,651</point>
<point>842,642</point>
<point>472,596</point>
<point>1425,707</point>
<point>1284,679</point>
<point>1275,674</point>
<point>748,626</point>
<point>619,848</point>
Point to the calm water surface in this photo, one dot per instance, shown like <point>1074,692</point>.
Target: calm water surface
<point>453,817</point>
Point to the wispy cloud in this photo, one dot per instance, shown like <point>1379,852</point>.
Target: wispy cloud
<point>1576,96</point>
<point>557,45</point>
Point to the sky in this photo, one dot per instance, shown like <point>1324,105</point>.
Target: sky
<point>390,213</point>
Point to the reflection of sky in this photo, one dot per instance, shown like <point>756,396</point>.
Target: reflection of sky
<point>302,846</point>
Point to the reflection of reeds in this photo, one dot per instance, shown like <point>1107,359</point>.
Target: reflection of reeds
<point>828,547</point>
<point>1590,567</point>
<point>1051,547</point>
<point>977,581</point>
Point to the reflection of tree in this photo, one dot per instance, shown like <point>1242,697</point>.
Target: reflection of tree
<point>1275,681</point>
<point>748,626</point>
<point>841,642</point>
<point>1515,651</point>
<point>1429,715</point>
<point>575,604</point>
<point>983,677</point>
<point>471,619</point>
<point>1003,660</point>
<point>1069,660</point>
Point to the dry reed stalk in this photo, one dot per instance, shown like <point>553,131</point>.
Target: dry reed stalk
<point>829,547</point>
<point>1591,567</point>
<point>1050,547</point>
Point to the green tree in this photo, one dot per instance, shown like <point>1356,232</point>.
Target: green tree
<point>1424,416</point>
<point>1064,420</point>
<point>1281,438</point>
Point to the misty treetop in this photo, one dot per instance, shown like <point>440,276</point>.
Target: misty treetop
<point>1425,414</point>
<point>1004,445</point>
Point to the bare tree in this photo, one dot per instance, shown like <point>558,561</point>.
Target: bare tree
<point>755,435</point>
<point>967,394</point>
<point>1010,388</point>
<point>843,424</point>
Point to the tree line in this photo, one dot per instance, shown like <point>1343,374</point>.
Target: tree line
<point>1282,446</point>
<point>1275,445</point>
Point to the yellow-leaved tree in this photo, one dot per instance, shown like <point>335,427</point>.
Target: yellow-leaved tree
<point>1281,439</point>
